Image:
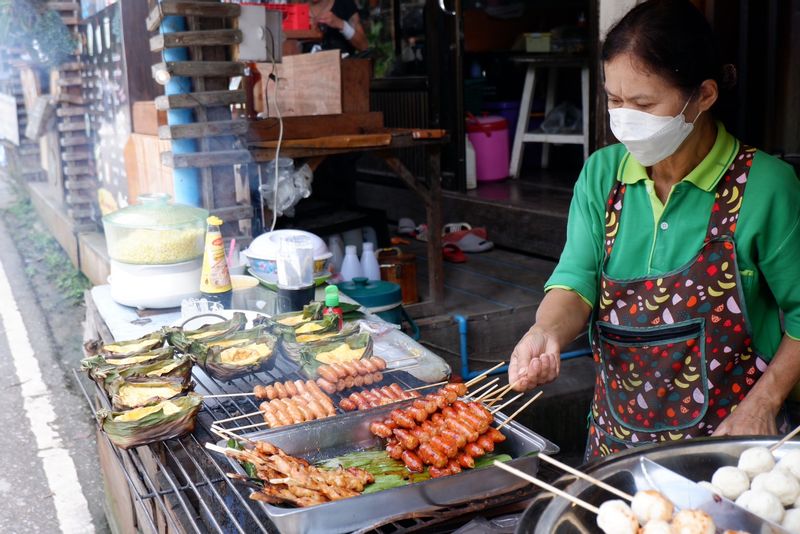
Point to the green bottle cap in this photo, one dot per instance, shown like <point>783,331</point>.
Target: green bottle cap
<point>331,296</point>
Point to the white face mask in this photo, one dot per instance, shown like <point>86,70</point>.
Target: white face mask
<point>650,138</point>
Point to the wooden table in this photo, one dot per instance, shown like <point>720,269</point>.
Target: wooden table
<point>384,143</point>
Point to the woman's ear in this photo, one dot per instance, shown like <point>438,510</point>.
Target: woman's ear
<point>707,94</point>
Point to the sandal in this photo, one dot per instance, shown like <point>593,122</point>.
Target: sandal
<point>453,254</point>
<point>472,243</point>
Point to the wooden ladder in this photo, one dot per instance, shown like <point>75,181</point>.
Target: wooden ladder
<point>209,38</point>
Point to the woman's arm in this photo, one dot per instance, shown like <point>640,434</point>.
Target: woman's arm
<point>756,414</point>
<point>536,359</point>
<point>358,38</point>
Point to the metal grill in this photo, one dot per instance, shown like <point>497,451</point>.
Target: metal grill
<point>177,483</point>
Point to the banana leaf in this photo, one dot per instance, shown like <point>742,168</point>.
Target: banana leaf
<point>309,353</point>
<point>165,420</point>
<point>124,349</point>
<point>243,353</point>
<point>180,367</point>
<point>292,347</point>
<point>180,338</point>
<point>130,393</point>
<point>100,368</point>
<point>289,323</point>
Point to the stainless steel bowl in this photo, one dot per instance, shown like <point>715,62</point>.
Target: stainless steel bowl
<point>696,460</point>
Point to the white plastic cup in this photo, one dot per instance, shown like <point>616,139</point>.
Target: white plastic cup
<point>295,263</point>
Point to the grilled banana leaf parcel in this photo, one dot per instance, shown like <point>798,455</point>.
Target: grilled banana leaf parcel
<point>130,393</point>
<point>243,353</point>
<point>123,349</point>
<point>352,348</point>
<point>180,338</point>
<point>100,368</point>
<point>180,368</point>
<point>310,321</point>
<point>140,426</point>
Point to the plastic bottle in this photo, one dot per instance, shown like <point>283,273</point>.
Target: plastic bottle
<point>351,267</point>
<point>369,263</point>
<point>215,280</point>
<point>332,305</point>
<point>336,246</point>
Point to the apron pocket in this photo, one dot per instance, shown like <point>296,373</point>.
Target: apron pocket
<point>655,377</point>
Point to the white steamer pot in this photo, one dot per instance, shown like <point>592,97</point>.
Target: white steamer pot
<point>155,286</point>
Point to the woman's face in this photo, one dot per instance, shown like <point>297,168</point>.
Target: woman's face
<point>629,84</point>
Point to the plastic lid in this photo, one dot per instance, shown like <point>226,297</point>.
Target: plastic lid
<point>368,246</point>
<point>155,211</point>
<point>372,293</point>
<point>331,296</point>
<point>214,221</point>
<point>350,249</point>
<point>488,123</point>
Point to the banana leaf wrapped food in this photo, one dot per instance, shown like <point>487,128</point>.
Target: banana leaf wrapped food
<point>351,348</point>
<point>178,368</point>
<point>101,369</point>
<point>123,349</point>
<point>246,352</point>
<point>310,321</point>
<point>182,339</point>
<point>130,393</point>
<point>148,424</point>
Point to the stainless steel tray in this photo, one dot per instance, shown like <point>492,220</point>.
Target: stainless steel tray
<point>695,459</point>
<point>329,438</point>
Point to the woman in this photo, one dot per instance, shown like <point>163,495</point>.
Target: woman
<point>683,245</point>
<point>340,25</point>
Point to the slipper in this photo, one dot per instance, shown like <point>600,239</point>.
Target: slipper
<point>454,232</point>
<point>473,243</point>
<point>406,226</point>
<point>453,254</point>
<point>422,233</point>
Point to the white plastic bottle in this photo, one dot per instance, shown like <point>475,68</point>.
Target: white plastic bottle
<point>336,247</point>
<point>369,263</point>
<point>351,267</point>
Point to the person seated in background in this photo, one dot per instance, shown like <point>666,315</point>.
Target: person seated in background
<point>340,24</point>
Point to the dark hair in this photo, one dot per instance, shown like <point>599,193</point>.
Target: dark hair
<point>671,38</point>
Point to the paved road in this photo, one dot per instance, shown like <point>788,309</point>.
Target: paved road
<point>50,481</point>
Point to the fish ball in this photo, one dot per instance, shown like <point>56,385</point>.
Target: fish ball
<point>791,521</point>
<point>731,482</point>
<point>656,526</point>
<point>693,522</point>
<point>791,462</point>
<point>616,517</point>
<point>779,483</point>
<point>648,505</point>
<point>710,487</point>
<point>763,504</point>
<point>756,460</point>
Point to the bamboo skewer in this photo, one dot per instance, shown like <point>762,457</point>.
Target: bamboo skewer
<point>486,385</point>
<point>225,433</point>
<point>481,376</point>
<point>786,438</point>
<point>443,382</point>
<point>584,476</point>
<point>505,391</point>
<point>226,395</point>
<point>246,427</point>
<point>512,416</point>
<point>486,393</point>
<point>506,404</point>
<point>236,418</point>
<point>544,485</point>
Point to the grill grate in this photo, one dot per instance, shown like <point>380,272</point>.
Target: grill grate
<point>179,483</point>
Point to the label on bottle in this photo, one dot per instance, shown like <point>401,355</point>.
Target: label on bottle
<point>215,277</point>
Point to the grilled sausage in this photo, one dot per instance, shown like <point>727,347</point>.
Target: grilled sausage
<point>475,450</point>
<point>326,373</point>
<point>269,415</point>
<point>496,435</point>
<point>317,409</point>
<point>405,438</point>
<point>327,387</point>
<point>358,381</point>
<point>412,461</point>
<point>347,405</point>
<point>444,445</point>
<point>368,380</point>
<point>402,420</point>
<point>347,383</point>
<point>281,414</point>
<point>368,366</point>
<point>457,438</point>
<point>340,371</point>
<point>397,390</point>
<point>380,429</point>
<point>377,377</point>
<point>280,390</point>
<point>308,415</point>
<point>395,451</point>
<point>379,363</point>
<point>431,456</point>
<point>465,461</point>
<point>300,386</point>
<point>291,389</point>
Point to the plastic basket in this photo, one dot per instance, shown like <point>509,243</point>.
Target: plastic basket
<point>295,16</point>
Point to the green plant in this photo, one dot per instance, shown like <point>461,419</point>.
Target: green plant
<point>37,30</point>
<point>382,48</point>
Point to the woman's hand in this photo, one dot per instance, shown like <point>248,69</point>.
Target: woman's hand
<point>329,19</point>
<point>751,418</point>
<point>536,360</point>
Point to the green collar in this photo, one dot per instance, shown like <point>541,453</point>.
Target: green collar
<point>705,176</point>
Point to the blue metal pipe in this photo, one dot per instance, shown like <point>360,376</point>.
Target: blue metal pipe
<point>466,374</point>
<point>186,181</point>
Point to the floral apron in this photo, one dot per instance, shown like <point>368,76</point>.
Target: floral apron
<point>673,353</point>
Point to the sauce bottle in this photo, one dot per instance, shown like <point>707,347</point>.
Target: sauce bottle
<point>215,280</point>
<point>332,305</point>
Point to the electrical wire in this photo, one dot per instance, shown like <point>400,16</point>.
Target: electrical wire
<point>274,76</point>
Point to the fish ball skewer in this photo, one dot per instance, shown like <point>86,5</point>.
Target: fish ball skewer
<point>763,504</point>
<point>756,460</point>
<point>616,517</point>
<point>780,483</point>
<point>730,482</point>
<point>649,505</point>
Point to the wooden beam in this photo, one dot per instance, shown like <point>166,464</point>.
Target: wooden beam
<point>190,9</point>
<point>194,69</point>
<point>78,155</point>
<point>307,127</point>
<point>234,213</point>
<point>200,99</point>
<point>195,38</point>
<point>72,111</point>
<point>74,141</point>
<point>86,183</point>
<point>72,126</point>
<point>210,159</point>
<point>203,129</point>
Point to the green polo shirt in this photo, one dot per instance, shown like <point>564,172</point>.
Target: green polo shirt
<point>654,239</point>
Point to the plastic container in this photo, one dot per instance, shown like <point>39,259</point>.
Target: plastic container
<point>262,254</point>
<point>155,232</point>
<point>369,263</point>
<point>295,16</point>
<point>489,137</point>
<point>351,266</point>
<point>509,110</point>
<point>384,299</point>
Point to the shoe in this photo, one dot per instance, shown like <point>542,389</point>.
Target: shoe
<point>453,254</point>
<point>406,226</point>
<point>472,243</point>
